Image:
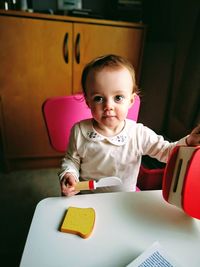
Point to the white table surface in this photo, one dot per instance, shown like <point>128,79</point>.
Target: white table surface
<point>126,224</point>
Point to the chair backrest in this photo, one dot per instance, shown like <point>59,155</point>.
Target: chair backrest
<point>61,113</point>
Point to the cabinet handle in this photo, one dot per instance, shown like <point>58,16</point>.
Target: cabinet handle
<point>77,48</point>
<point>65,48</point>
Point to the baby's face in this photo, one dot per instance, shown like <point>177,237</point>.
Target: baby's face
<point>109,96</point>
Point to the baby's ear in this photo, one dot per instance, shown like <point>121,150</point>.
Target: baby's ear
<point>132,100</point>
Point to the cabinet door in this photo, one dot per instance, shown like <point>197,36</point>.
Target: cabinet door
<point>91,41</point>
<point>33,68</point>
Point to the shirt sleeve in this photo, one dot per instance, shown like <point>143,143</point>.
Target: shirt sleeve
<point>155,145</point>
<point>71,161</point>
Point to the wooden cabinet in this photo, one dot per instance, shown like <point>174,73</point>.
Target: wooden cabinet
<point>32,69</point>
<point>96,40</point>
<point>43,56</point>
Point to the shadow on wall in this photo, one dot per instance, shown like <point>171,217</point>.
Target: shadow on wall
<point>170,70</point>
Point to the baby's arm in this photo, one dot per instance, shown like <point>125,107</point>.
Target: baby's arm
<point>67,184</point>
<point>194,138</point>
<point>69,173</point>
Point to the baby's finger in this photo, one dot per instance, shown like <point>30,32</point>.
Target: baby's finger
<point>196,130</point>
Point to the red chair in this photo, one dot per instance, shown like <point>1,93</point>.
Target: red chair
<point>60,114</point>
<point>150,179</point>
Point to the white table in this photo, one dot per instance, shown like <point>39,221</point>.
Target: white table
<point>126,224</point>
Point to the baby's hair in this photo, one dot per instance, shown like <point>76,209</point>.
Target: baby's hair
<point>111,61</point>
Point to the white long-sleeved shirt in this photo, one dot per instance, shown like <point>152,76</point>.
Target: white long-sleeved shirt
<point>91,155</point>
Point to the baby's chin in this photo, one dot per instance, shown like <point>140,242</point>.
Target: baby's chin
<point>113,122</point>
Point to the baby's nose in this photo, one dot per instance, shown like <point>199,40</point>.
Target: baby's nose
<point>108,105</point>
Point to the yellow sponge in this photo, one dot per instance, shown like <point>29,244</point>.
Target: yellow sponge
<point>79,221</point>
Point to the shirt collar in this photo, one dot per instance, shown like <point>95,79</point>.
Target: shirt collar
<point>92,135</point>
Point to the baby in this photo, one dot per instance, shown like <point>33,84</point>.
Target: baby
<point>109,144</point>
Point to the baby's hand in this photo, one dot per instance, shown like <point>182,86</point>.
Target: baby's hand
<point>194,138</point>
<point>68,185</point>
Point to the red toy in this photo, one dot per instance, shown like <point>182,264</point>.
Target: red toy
<point>181,181</point>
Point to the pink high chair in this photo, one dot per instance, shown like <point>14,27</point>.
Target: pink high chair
<point>60,114</point>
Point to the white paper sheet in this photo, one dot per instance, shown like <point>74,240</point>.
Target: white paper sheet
<point>154,256</point>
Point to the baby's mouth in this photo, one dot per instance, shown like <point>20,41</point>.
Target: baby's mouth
<point>108,116</point>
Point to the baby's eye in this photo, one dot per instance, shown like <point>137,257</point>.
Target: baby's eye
<point>119,98</point>
<point>98,99</point>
